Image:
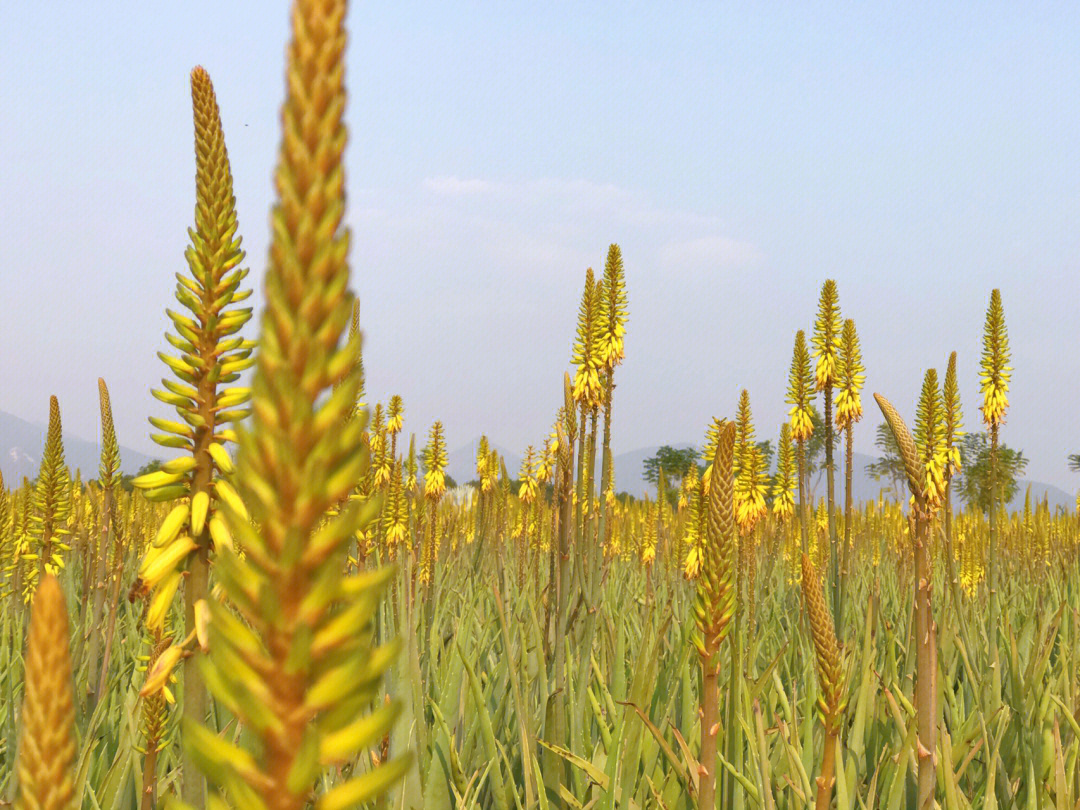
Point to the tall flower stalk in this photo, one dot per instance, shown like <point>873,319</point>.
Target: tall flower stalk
<point>292,651</point>
<point>714,604</point>
<point>8,551</point>
<point>799,395</point>
<point>826,342</point>
<point>923,456</point>
<point>849,383</point>
<point>51,505</point>
<point>783,494</point>
<point>435,461</point>
<point>46,760</point>
<point>108,478</point>
<point>588,389</point>
<point>831,677</point>
<point>950,401</point>
<point>749,504</point>
<point>611,352</point>
<point>995,372</point>
<point>588,394</point>
<point>211,356</point>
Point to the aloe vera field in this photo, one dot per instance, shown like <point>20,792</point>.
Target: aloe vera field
<point>298,607</point>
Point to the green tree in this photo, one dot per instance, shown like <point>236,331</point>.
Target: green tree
<point>675,461</point>
<point>153,465</point>
<point>768,453</point>
<point>973,484</point>
<point>765,447</point>
<point>889,466</point>
<point>815,451</point>
<point>1074,462</point>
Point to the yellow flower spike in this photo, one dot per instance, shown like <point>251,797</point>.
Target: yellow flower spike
<point>155,567</point>
<point>50,496</point>
<point>109,469</point>
<point>714,600</point>
<point>219,532</point>
<point>179,466</point>
<point>200,503</point>
<point>995,369</point>
<point>395,416</point>
<point>171,525</point>
<point>46,754</point>
<point>800,388</point>
<point>692,567</point>
<point>211,354</point>
<point>587,391</point>
<point>826,339</point>
<point>300,440</point>
<point>220,456</point>
<point>612,316</point>
<point>395,515</point>
<point>156,479</point>
<point>435,461</point>
<point>228,496</point>
<point>482,458</point>
<point>784,486</point>
<point>750,475</point>
<point>158,676</point>
<point>849,378</point>
<point>202,624</point>
<point>930,439</point>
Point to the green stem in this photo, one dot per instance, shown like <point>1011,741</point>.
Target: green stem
<point>834,557</point>
<point>710,719</point>
<point>848,511</point>
<point>804,517</point>
<point>100,574</point>
<point>991,577</point>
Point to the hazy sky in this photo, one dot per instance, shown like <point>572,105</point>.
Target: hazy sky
<point>740,153</point>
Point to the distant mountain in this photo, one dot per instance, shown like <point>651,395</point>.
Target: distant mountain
<point>1055,497</point>
<point>630,469</point>
<point>865,488</point>
<point>22,442</point>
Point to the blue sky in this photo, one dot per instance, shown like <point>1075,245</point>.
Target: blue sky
<point>920,154</point>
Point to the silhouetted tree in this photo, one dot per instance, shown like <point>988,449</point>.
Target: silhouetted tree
<point>675,461</point>
<point>973,484</point>
<point>152,465</point>
<point>889,465</point>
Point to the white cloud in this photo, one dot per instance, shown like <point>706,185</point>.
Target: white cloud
<point>456,186</point>
<point>572,217</point>
<point>708,252</point>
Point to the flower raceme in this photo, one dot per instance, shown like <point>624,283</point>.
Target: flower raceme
<point>211,355</point>
<point>800,388</point>
<point>994,368</point>
<point>826,337</point>
<point>849,378</point>
<point>784,485</point>
<point>435,461</point>
<point>588,390</point>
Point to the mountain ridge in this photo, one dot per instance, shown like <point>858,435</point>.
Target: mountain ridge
<point>22,443</point>
<point>629,468</point>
